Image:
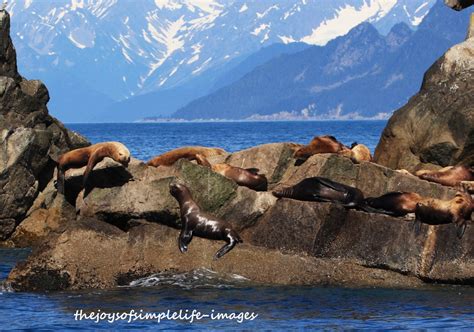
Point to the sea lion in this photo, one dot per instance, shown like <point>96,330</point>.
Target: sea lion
<point>359,153</point>
<point>320,144</point>
<point>247,177</point>
<point>395,203</point>
<point>90,156</point>
<point>321,189</point>
<point>436,212</point>
<point>195,222</point>
<point>404,171</point>
<point>448,176</point>
<point>187,152</point>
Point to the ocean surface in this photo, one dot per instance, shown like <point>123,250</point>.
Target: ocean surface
<point>231,301</point>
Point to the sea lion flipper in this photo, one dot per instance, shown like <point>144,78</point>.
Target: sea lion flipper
<point>231,242</point>
<point>184,240</point>
<point>253,170</point>
<point>460,229</point>
<point>94,159</point>
<point>367,208</point>
<point>331,184</point>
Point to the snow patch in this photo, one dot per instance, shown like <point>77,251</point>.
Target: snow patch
<point>243,8</point>
<point>346,18</point>
<point>27,3</point>
<point>423,5</point>
<point>168,36</point>
<point>75,42</point>
<point>260,15</point>
<point>75,4</point>
<point>200,68</point>
<point>257,31</point>
<point>127,56</point>
<point>193,59</point>
<point>287,39</point>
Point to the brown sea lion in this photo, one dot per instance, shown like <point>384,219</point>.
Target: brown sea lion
<point>321,189</point>
<point>247,177</point>
<point>394,203</point>
<point>404,171</point>
<point>320,144</point>
<point>187,152</point>
<point>359,153</point>
<point>90,156</point>
<point>196,222</point>
<point>436,212</point>
<point>448,176</point>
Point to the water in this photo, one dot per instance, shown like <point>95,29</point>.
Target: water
<point>277,307</point>
<point>146,140</point>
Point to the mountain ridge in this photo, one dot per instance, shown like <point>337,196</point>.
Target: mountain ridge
<point>321,84</point>
<point>120,50</point>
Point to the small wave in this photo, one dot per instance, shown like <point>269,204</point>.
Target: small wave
<point>5,287</point>
<point>199,278</point>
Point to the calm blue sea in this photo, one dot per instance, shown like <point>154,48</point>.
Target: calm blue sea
<point>285,308</point>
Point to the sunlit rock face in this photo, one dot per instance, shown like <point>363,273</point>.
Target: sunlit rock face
<point>127,227</point>
<point>436,127</point>
<point>30,139</point>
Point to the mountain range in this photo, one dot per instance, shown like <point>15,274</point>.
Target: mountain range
<point>362,74</point>
<point>116,60</point>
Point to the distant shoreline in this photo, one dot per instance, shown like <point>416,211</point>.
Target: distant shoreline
<point>175,121</point>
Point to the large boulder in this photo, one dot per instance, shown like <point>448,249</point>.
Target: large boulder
<point>147,195</point>
<point>43,222</point>
<point>93,254</point>
<point>30,139</point>
<point>371,178</point>
<point>271,159</point>
<point>436,127</point>
<point>122,232</point>
<point>329,231</point>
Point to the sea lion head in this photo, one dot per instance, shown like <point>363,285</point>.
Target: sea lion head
<point>462,202</point>
<point>121,154</point>
<point>178,189</point>
<point>303,153</point>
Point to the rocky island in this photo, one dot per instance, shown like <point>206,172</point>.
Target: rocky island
<point>127,226</point>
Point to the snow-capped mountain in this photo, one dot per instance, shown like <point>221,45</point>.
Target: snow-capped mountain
<point>118,49</point>
<point>361,74</point>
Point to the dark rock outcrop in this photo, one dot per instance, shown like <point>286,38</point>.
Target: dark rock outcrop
<point>94,254</point>
<point>30,139</point>
<point>123,230</point>
<point>436,127</point>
